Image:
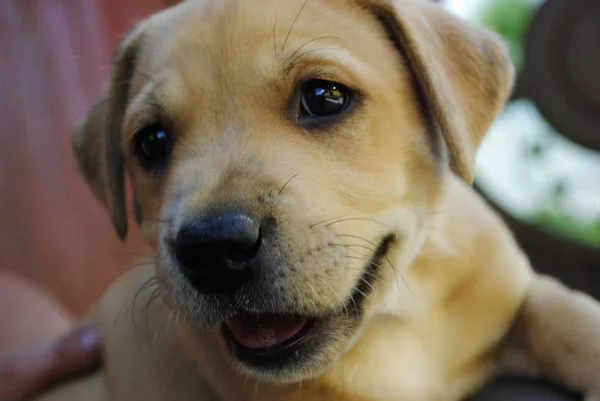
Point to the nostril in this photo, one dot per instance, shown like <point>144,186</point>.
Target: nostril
<point>243,252</point>
<point>219,250</point>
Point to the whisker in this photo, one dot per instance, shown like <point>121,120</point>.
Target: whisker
<point>357,237</point>
<point>357,252</point>
<point>293,63</point>
<point>151,282</point>
<point>155,341</point>
<point>293,24</point>
<point>355,306</point>
<point>337,297</point>
<point>153,297</point>
<point>387,259</point>
<point>362,293</point>
<point>291,56</point>
<point>314,292</point>
<point>352,246</point>
<point>367,283</point>
<point>356,218</point>
<point>357,268</point>
<point>322,221</point>
<point>286,183</point>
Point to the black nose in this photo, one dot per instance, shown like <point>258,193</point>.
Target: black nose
<point>217,253</point>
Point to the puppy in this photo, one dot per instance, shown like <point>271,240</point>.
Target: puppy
<point>302,171</point>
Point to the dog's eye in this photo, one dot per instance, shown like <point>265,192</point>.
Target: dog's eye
<point>153,146</point>
<point>324,98</point>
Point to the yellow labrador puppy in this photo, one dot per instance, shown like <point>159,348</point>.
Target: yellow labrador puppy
<point>302,170</point>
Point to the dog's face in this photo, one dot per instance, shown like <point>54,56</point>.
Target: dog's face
<point>285,157</point>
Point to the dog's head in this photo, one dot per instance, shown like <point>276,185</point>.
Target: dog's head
<point>285,158</point>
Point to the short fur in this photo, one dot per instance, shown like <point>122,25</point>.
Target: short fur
<point>453,300</point>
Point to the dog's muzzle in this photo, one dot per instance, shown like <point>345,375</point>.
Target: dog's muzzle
<point>234,261</point>
<point>219,254</point>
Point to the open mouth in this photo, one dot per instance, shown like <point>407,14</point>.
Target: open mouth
<point>272,340</point>
<point>265,339</point>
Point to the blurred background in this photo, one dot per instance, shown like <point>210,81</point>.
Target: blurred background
<point>539,164</point>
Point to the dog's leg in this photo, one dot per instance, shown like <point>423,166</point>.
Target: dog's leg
<point>557,336</point>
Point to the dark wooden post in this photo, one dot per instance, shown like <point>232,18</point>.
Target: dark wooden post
<point>560,76</point>
<point>562,61</point>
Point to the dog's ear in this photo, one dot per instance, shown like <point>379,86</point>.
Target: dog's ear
<point>463,71</point>
<point>97,141</point>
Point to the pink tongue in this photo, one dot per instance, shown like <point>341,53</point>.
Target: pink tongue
<point>265,330</point>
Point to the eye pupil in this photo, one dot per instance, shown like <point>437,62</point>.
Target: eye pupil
<point>153,146</point>
<point>322,98</point>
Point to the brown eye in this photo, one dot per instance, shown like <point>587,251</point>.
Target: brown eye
<point>322,98</point>
<point>153,146</point>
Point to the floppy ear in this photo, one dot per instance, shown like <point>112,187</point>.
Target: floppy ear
<point>463,71</point>
<point>97,140</point>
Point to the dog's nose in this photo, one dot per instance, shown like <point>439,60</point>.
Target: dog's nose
<point>217,253</point>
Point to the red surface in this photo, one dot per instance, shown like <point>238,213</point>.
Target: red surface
<point>55,57</point>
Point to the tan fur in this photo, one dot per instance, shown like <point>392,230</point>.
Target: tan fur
<point>455,300</point>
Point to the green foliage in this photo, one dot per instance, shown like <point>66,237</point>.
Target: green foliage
<point>566,226</point>
<point>509,18</point>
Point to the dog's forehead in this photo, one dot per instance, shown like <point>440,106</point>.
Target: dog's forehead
<point>226,55</point>
<point>227,16</point>
<point>200,33</point>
